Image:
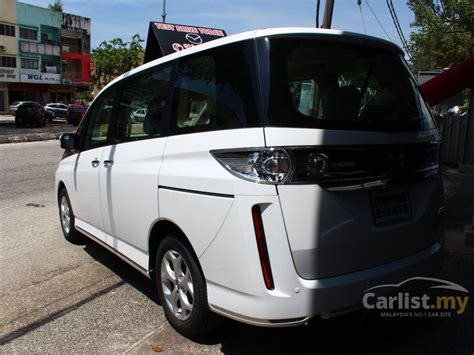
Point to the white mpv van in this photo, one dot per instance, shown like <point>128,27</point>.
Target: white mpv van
<point>276,175</point>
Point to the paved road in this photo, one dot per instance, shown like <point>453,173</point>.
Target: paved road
<point>61,298</point>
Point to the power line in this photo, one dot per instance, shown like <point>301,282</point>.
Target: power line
<point>398,22</point>
<point>380,23</point>
<point>397,27</point>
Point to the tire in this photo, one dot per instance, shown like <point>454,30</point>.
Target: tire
<point>66,218</point>
<point>18,124</point>
<point>191,315</point>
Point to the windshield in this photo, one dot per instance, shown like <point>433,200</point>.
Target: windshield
<point>319,84</point>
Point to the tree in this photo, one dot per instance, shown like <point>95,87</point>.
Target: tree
<point>444,33</point>
<point>115,57</point>
<point>57,5</point>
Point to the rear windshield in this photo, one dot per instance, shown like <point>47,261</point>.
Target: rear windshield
<point>27,108</point>
<point>317,84</point>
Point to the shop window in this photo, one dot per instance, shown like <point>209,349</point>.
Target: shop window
<point>7,30</point>
<point>7,62</point>
<point>29,63</point>
<point>28,33</point>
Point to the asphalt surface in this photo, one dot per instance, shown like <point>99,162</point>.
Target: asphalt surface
<point>57,297</point>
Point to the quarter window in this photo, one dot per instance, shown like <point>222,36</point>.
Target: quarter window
<point>214,91</point>
<point>99,120</point>
<point>143,104</point>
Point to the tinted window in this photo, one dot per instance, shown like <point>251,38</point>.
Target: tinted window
<point>99,119</point>
<point>26,108</point>
<point>142,105</point>
<point>342,86</point>
<point>214,90</point>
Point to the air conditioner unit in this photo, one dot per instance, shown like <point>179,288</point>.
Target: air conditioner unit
<point>3,48</point>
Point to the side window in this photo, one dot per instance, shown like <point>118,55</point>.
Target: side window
<point>214,90</point>
<point>142,105</point>
<point>100,117</point>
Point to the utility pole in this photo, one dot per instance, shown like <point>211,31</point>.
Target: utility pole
<point>163,15</point>
<point>327,19</point>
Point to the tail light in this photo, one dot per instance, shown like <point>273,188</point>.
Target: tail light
<point>262,247</point>
<point>266,166</point>
<point>332,165</point>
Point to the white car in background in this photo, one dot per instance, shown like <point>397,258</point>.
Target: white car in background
<point>138,115</point>
<point>60,110</point>
<point>279,174</point>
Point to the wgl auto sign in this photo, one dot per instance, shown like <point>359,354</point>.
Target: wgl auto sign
<point>40,78</point>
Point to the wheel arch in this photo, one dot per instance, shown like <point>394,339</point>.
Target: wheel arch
<point>61,186</point>
<point>160,230</point>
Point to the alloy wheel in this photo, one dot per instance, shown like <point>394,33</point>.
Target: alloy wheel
<point>177,285</point>
<point>65,212</point>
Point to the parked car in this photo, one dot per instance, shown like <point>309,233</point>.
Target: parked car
<point>138,115</point>
<point>60,110</point>
<point>75,114</point>
<point>14,106</point>
<point>30,112</point>
<point>50,114</point>
<point>272,194</point>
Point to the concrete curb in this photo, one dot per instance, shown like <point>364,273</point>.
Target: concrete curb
<point>38,137</point>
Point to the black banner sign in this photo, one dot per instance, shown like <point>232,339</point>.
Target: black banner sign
<point>167,38</point>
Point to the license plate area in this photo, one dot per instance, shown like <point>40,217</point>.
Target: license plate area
<point>390,206</point>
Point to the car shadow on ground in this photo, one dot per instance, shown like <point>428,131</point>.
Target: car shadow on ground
<point>364,331</point>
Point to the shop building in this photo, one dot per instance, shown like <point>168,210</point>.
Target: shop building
<point>39,53</point>
<point>44,54</point>
<point>75,58</point>
<point>8,50</point>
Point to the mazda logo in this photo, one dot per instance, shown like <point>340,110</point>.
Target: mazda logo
<point>193,38</point>
<point>317,164</point>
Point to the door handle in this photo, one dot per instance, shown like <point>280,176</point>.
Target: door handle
<point>95,163</point>
<point>108,163</point>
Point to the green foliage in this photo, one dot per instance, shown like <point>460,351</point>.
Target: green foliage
<point>115,57</point>
<point>444,32</point>
<point>84,96</point>
<point>57,5</point>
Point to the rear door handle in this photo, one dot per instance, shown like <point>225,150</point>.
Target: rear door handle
<point>95,163</point>
<point>108,163</point>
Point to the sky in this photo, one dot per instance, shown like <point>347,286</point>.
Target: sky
<point>123,18</point>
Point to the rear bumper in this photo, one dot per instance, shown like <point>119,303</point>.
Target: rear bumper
<point>335,296</point>
<point>237,290</point>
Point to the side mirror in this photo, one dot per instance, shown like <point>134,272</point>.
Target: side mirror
<point>69,141</point>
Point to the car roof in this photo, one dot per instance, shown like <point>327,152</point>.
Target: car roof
<point>328,34</point>
<point>29,103</point>
<point>24,102</point>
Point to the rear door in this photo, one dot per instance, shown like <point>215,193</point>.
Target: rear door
<point>365,189</point>
<point>129,173</point>
<point>214,107</point>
